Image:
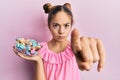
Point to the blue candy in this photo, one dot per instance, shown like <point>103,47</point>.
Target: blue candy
<point>20,46</point>
<point>27,52</point>
<point>28,47</point>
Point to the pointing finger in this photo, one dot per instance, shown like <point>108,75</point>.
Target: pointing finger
<point>75,40</point>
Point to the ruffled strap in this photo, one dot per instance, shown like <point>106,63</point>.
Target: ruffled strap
<point>53,57</point>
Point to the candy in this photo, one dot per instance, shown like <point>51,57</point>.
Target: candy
<point>27,46</point>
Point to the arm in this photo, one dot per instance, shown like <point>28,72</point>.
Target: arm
<point>39,67</point>
<point>39,71</point>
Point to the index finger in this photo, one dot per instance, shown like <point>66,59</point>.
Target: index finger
<point>75,39</point>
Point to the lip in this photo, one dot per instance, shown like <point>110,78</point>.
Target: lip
<point>61,37</point>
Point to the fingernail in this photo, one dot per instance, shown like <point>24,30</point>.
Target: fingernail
<point>99,69</point>
<point>88,67</point>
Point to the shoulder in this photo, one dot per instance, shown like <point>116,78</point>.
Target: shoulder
<point>43,46</point>
<point>43,43</point>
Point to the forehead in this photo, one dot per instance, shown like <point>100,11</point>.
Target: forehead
<point>61,17</point>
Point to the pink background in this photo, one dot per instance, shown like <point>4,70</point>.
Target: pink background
<point>26,18</point>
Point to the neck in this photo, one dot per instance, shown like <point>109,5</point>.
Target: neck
<point>60,43</point>
<point>57,46</point>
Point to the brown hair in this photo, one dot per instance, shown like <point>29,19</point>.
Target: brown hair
<point>52,10</point>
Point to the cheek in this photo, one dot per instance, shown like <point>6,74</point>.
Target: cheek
<point>53,32</point>
<point>68,31</point>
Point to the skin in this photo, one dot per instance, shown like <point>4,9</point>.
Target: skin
<point>39,68</point>
<point>60,28</point>
<point>86,49</point>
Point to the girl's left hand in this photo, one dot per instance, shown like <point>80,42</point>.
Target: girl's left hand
<point>36,58</point>
<point>87,51</point>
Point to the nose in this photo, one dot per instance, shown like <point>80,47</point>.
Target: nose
<point>61,30</point>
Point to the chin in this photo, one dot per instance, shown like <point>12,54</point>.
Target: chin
<point>61,40</point>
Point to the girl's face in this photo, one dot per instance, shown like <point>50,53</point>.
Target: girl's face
<point>60,26</point>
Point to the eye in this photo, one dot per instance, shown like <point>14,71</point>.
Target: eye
<point>56,26</point>
<point>67,25</point>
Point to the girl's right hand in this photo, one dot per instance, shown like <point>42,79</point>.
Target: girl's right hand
<point>87,51</point>
<point>36,58</point>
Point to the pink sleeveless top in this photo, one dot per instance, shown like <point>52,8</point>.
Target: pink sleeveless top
<point>59,66</point>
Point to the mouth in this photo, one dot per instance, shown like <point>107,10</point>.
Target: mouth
<point>61,37</point>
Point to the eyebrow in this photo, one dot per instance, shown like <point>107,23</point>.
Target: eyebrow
<point>55,23</point>
<point>59,24</point>
<point>66,23</point>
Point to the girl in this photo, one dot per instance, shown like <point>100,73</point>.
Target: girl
<point>59,58</point>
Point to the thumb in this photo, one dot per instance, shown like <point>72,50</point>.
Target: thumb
<point>75,40</point>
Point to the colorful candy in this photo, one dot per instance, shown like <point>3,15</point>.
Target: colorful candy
<point>27,46</point>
